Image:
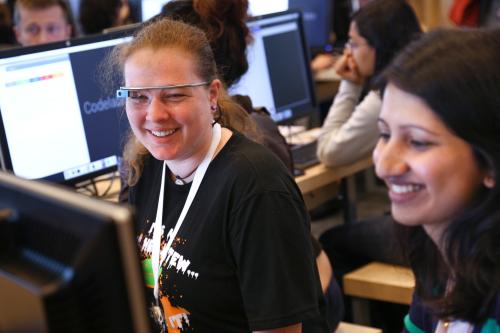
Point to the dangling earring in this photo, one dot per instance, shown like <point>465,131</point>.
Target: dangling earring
<point>216,113</point>
<point>213,108</point>
<point>489,182</point>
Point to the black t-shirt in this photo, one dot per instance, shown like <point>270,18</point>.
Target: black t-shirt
<point>242,259</point>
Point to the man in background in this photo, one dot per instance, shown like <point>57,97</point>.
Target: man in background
<point>42,21</point>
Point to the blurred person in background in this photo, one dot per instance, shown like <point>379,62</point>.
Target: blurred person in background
<point>97,15</point>
<point>7,37</point>
<point>42,21</point>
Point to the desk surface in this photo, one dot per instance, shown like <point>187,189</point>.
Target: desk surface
<point>320,175</point>
<point>326,90</point>
<point>316,178</point>
<point>384,282</point>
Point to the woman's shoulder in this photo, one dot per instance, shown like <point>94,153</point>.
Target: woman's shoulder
<point>267,128</point>
<point>252,162</point>
<point>151,169</point>
<point>492,322</point>
<point>244,150</point>
<point>419,318</point>
<point>495,309</point>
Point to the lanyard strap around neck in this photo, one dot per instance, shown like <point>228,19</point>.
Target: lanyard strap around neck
<point>158,224</point>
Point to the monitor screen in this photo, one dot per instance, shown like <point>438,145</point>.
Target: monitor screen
<point>68,262</point>
<point>58,121</point>
<point>150,8</point>
<point>279,74</point>
<point>263,7</point>
<point>317,15</point>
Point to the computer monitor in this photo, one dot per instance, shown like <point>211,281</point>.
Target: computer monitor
<point>150,8</point>
<point>58,121</point>
<point>263,7</point>
<point>74,6</point>
<point>317,16</point>
<point>279,74</point>
<point>68,263</point>
<point>357,4</point>
<point>135,10</point>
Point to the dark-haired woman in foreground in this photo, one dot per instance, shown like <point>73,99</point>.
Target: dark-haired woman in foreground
<point>378,31</point>
<point>439,154</point>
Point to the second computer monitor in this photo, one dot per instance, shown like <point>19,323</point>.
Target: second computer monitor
<point>151,8</point>
<point>58,120</point>
<point>317,15</point>
<point>68,263</point>
<point>279,75</point>
<point>263,7</point>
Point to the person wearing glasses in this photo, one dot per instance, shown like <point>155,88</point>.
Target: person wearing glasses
<point>377,32</point>
<point>42,21</point>
<point>224,24</point>
<point>223,231</point>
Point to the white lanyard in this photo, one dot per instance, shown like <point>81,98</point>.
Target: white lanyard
<point>198,177</point>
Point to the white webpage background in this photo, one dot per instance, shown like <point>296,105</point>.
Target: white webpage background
<point>151,8</point>
<point>262,7</point>
<point>45,133</point>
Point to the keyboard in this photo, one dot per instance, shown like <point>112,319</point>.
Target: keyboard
<point>304,155</point>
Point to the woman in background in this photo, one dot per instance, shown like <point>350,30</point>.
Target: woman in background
<point>378,31</point>
<point>439,154</point>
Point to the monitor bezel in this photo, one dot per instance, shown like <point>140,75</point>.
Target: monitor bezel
<point>5,156</point>
<point>22,200</point>
<point>312,110</point>
<point>328,12</point>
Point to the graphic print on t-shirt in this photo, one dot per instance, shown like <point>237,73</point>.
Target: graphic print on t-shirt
<point>167,314</point>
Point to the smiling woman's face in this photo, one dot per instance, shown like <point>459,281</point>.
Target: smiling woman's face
<point>173,124</point>
<point>431,173</point>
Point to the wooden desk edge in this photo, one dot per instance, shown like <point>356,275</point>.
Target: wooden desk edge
<point>321,175</point>
<point>385,282</point>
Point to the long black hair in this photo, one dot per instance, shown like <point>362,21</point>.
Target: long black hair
<point>457,74</point>
<point>388,26</point>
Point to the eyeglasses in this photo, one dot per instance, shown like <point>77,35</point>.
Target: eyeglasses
<point>354,45</point>
<point>142,96</point>
<point>125,92</point>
